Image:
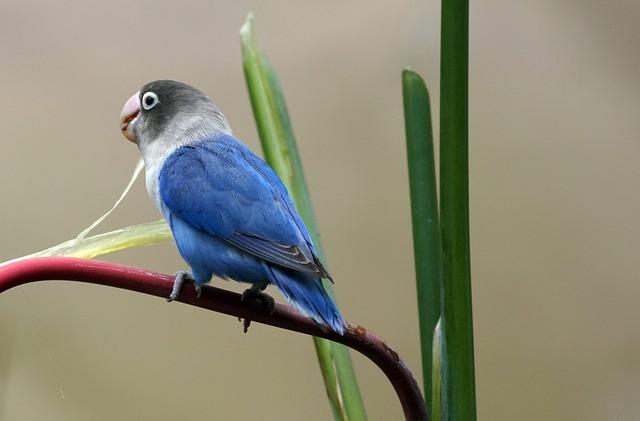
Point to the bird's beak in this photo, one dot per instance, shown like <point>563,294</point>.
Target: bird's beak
<point>129,115</point>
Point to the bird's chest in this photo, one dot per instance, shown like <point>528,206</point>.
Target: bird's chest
<point>153,187</point>
<point>155,156</point>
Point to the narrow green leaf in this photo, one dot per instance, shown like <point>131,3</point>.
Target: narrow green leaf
<point>454,210</point>
<point>280,150</point>
<point>109,242</point>
<point>424,214</point>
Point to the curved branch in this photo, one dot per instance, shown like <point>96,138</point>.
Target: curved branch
<point>222,301</point>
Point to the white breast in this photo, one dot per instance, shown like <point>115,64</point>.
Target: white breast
<point>154,156</point>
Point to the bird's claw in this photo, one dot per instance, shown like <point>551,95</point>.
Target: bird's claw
<point>265,299</point>
<point>182,276</point>
<point>256,294</point>
<point>245,325</point>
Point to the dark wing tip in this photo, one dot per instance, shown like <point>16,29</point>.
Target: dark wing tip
<point>323,272</point>
<point>287,256</point>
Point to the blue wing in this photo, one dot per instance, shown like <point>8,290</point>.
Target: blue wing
<point>220,187</point>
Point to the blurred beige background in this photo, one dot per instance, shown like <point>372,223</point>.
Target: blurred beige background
<point>554,112</point>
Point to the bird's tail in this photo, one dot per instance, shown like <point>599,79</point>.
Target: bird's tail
<point>309,296</point>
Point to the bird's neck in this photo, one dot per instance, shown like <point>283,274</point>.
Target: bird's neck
<point>187,131</point>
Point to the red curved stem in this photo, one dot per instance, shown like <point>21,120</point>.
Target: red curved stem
<point>222,301</point>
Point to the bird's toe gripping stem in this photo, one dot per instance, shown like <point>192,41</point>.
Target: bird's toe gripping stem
<point>255,293</point>
<point>181,277</point>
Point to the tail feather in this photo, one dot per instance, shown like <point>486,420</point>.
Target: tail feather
<point>308,296</point>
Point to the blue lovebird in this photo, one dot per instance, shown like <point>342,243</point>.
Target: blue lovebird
<point>230,215</point>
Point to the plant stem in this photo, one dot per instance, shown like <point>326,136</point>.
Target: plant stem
<point>424,215</point>
<point>222,301</point>
<point>278,143</point>
<point>454,210</point>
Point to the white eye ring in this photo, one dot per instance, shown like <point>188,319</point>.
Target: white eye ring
<point>149,100</point>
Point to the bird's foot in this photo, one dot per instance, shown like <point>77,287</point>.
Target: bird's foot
<point>182,276</point>
<point>255,293</point>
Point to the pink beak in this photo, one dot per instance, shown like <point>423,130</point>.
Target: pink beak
<point>129,115</point>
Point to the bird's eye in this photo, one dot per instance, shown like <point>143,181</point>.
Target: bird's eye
<point>149,100</point>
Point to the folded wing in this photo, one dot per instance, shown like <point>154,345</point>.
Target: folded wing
<point>219,186</point>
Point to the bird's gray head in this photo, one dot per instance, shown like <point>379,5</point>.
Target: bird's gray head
<point>170,111</point>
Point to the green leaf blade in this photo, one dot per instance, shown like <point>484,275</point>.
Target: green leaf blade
<point>424,214</point>
<point>280,150</point>
<point>454,210</point>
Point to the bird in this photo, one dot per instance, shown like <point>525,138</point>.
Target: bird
<point>230,214</point>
